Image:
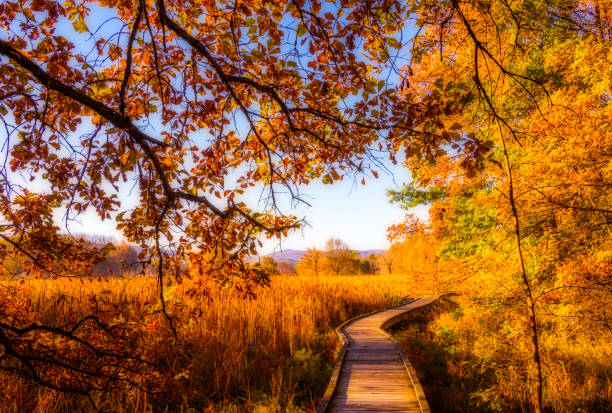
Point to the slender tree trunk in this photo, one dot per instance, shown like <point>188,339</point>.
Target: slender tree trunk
<point>533,325</point>
<point>602,19</point>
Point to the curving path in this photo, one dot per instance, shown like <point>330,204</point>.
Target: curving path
<point>373,373</point>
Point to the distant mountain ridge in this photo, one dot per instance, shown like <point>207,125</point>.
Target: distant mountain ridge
<point>294,256</point>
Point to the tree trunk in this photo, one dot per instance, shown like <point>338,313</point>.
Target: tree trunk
<point>533,326</point>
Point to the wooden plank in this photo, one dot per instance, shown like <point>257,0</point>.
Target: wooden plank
<point>374,374</point>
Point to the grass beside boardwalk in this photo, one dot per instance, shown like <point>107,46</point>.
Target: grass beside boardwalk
<point>271,353</point>
<point>466,365</point>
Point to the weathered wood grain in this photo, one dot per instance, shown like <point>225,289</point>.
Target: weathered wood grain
<point>373,374</point>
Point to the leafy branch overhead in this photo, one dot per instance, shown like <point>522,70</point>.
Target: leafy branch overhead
<point>195,106</point>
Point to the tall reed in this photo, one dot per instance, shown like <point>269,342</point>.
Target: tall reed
<point>272,352</point>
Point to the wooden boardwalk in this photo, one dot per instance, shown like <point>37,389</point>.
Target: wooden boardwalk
<point>373,373</point>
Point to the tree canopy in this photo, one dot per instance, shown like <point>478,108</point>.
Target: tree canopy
<point>526,213</point>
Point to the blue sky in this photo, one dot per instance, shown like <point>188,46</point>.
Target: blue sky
<point>357,214</point>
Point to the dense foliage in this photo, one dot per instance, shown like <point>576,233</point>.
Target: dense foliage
<point>466,363</point>
<point>523,227</point>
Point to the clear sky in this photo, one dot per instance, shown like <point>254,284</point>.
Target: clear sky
<point>357,214</point>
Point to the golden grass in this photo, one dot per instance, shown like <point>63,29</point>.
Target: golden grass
<point>270,353</point>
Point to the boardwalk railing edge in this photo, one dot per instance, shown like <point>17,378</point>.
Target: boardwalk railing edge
<point>333,381</point>
<point>416,384</point>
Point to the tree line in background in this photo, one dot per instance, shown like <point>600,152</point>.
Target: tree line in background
<point>122,259</point>
<point>114,259</point>
<point>336,259</point>
<point>119,259</point>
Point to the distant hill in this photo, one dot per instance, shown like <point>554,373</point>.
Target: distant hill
<point>294,256</point>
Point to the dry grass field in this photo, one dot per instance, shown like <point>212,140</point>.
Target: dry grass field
<point>269,353</point>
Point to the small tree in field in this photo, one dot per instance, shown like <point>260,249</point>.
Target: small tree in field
<point>386,260</point>
<point>269,265</point>
<point>311,263</point>
<point>365,267</point>
<point>340,259</point>
<point>374,260</point>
